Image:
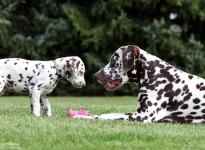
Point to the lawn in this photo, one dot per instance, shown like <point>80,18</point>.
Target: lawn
<point>20,130</point>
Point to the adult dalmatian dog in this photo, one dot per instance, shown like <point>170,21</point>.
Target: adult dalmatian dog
<point>38,78</point>
<point>166,94</point>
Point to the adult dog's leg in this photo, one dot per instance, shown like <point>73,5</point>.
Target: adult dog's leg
<point>2,84</point>
<point>45,105</point>
<point>35,102</point>
<point>111,116</point>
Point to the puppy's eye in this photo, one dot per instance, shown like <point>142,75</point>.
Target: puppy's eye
<point>68,73</point>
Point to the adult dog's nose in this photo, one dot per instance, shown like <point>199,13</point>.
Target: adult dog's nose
<point>97,75</point>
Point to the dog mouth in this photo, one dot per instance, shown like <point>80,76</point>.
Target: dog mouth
<point>113,84</point>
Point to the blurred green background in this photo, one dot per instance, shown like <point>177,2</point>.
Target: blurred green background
<point>48,29</point>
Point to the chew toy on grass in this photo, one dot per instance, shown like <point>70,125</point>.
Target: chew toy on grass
<point>80,111</point>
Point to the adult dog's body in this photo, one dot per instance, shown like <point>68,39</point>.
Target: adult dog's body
<point>38,78</point>
<point>165,92</point>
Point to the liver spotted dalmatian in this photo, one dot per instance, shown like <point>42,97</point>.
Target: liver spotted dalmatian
<point>38,78</point>
<point>166,94</point>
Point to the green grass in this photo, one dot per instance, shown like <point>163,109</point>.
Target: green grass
<point>60,132</point>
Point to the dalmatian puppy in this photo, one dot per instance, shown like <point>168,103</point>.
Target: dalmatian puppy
<point>38,78</point>
<point>166,94</point>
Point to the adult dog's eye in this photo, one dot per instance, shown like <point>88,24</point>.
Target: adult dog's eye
<point>112,63</point>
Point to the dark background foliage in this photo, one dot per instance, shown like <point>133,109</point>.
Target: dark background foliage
<point>93,30</point>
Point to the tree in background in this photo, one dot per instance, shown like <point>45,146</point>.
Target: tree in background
<point>93,30</point>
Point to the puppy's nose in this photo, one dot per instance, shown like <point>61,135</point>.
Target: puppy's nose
<point>84,84</point>
<point>97,75</point>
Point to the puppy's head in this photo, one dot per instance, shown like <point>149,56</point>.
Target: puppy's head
<point>75,72</point>
<point>116,72</point>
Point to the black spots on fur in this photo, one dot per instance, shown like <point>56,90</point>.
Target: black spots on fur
<point>9,76</point>
<point>176,113</point>
<point>168,87</point>
<point>160,92</point>
<point>149,103</point>
<point>11,83</point>
<point>177,81</point>
<point>174,105</point>
<point>203,111</point>
<point>15,63</point>
<point>143,97</point>
<point>190,76</point>
<point>29,78</point>
<point>42,66</point>
<point>165,73</point>
<point>202,88</point>
<point>143,57</point>
<point>164,104</point>
<point>151,87</point>
<point>36,66</point>
<point>40,85</point>
<point>34,71</point>
<point>33,84</point>
<point>187,97</point>
<point>151,115</point>
<point>196,107</point>
<point>185,87</point>
<point>26,68</point>
<point>196,101</point>
<point>192,113</point>
<point>21,76</point>
<point>177,92</point>
<point>185,106</point>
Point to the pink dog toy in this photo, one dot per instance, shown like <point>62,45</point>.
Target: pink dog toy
<point>80,111</point>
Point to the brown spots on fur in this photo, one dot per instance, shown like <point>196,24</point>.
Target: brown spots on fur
<point>190,76</point>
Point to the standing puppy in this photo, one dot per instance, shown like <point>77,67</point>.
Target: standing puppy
<point>38,78</point>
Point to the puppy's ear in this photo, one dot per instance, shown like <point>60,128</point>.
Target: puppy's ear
<point>72,66</point>
<point>130,54</point>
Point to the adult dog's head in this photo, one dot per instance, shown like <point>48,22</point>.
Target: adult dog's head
<point>121,68</point>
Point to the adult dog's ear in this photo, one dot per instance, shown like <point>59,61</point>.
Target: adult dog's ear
<point>129,55</point>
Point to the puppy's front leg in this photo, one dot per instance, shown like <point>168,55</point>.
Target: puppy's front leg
<point>45,105</point>
<point>35,102</point>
